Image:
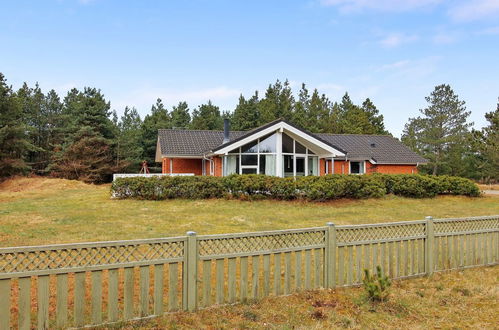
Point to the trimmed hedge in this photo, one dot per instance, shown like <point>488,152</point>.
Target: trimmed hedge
<point>313,188</point>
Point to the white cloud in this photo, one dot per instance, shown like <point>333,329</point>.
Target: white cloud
<point>378,5</point>
<point>397,39</point>
<point>474,10</point>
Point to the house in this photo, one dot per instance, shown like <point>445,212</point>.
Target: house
<point>282,149</point>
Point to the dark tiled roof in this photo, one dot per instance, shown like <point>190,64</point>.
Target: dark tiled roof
<point>191,142</point>
<point>383,149</point>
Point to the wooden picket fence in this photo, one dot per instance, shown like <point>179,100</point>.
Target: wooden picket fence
<point>73,285</point>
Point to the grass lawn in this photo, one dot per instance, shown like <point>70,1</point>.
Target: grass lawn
<point>44,211</point>
<point>452,300</point>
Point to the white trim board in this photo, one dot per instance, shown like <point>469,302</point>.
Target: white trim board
<point>282,126</point>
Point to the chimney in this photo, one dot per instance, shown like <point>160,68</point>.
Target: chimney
<point>226,130</point>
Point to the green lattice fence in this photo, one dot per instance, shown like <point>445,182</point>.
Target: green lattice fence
<point>73,285</point>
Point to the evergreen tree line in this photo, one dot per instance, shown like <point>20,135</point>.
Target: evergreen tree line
<point>80,137</point>
<point>443,135</point>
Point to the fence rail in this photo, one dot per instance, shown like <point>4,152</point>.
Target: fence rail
<point>73,285</point>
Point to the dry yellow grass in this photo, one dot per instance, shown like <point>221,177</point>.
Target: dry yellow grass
<point>47,211</point>
<point>44,211</point>
<point>451,300</point>
<point>489,186</point>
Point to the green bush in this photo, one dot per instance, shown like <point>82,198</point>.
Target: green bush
<point>312,188</point>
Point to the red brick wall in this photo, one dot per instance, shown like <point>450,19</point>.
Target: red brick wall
<point>183,165</point>
<point>341,167</point>
<point>322,167</point>
<point>195,165</point>
<point>218,166</point>
<point>394,169</point>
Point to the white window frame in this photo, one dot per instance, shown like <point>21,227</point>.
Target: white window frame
<point>350,167</point>
<point>277,154</point>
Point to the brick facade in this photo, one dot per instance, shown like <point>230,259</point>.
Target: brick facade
<point>395,169</point>
<point>183,165</point>
<point>195,165</point>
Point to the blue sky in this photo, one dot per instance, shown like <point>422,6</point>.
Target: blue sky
<point>392,51</point>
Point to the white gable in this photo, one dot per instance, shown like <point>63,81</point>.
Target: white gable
<point>307,139</point>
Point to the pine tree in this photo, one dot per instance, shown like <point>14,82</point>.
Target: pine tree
<point>87,127</point>
<point>374,118</point>
<point>301,108</point>
<point>158,119</point>
<point>208,117</point>
<point>129,148</point>
<point>180,115</point>
<point>318,113</point>
<point>486,146</point>
<point>441,130</point>
<point>277,103</point>
<point>246,115</point>
<point>14,141</point>
<point>89,158</point>
<point>32,102</point>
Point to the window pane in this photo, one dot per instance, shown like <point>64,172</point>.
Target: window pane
<point>300,166</point>
<point>249,148</point>
<point>287,144</point>
<point>235,151</point>
<point>249,159</point>
<point>299,148</point>
<point>312,166</point>
<point>267,164</point>
<point>310,152</point>
<point>287,165</point>
<point>268,143</point>
<point>232,165</point>
<point>355,167</point>
<point>249,171</point>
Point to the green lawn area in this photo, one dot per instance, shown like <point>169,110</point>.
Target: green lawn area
<point>44,211</point>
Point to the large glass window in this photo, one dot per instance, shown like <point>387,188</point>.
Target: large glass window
<point>267,164</point>
<point>312,165</point>
<point>357,168</point>
<point>251,147</point>
<point>232,165</point>
<point>287,144</point>
<point>249,159</point>
<point>299,148</point>
<point>255,157</point>
<point>300,166</point>
<point>260,157</point>
<point>268,144</point>
<point>248,170</point>
<point>288,165</point>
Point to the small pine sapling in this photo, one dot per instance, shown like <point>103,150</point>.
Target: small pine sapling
<point>376,285</point>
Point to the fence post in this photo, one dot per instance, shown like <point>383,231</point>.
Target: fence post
<point>429,247</point>
<point>330,256</point>
<point>190,275</point>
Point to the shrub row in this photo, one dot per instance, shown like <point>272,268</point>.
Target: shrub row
<point>307,188</point>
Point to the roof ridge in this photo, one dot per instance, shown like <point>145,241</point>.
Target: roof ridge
<point>351,134</point>
<point>196,130</point>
